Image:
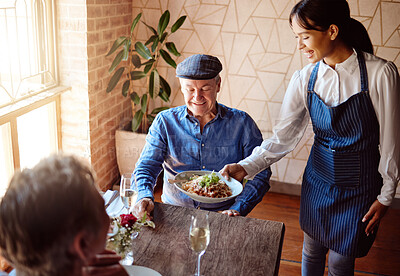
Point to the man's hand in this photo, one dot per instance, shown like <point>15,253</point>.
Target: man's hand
<point>145,205</point>
<point>231,213</point>
<point>374,215</point>
<point>233,170</point>
<point>104,264</point>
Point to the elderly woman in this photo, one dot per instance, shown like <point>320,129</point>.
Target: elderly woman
<point>53,221</point>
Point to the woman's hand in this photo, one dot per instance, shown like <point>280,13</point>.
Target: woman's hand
<point>233,170</point>
<point>145,205</point>
<point>105,263</point>
<point>231,213</point>
<point>374,215</point>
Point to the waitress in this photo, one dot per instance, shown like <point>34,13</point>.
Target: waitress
<point>352,98</point>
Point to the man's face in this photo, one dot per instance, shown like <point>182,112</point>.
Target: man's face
<point>200,95</point>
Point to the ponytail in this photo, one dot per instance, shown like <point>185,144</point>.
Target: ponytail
<point>357,36</point>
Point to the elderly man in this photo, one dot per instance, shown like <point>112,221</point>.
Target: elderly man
<point>201,135</point>
<point>53,222</point>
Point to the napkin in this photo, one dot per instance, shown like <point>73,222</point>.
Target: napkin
<point>116,206</point>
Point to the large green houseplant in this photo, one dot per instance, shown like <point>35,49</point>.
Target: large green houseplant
<point>141,62</point>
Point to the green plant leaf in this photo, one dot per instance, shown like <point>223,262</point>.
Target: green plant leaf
<point>163,23</point>
<point>137,75</point>
<point>178,24</point>
<point>151,39</point>
<point>155,44</point>
<point>151,61</point>
<point>142,50</point>
<point>172,49</point>
<point>117,43</point>
<point>143,103</point>
<point>135,98</point>
<point>135,21</point>
<point>147,68</point>
<point>150,118</point>
<point>118,58</point>
<point>163,95</point>
<point>115,79</point>
<point>125,88</point>
<point>154,83</point>
<point>165,86</point>
<point>137,119</point>
<point>167,58</point>
<point>159,109</point>
<point>126,50</point>
<point>164,35</point>
<point>151,28</point>
<point>136,61</point>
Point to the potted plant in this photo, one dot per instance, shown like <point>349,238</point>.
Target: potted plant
<point>141,61</point>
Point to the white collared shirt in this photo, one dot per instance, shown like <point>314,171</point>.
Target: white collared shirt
<point>335,86</point>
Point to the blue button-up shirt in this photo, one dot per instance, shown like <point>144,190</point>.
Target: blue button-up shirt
<point>175,143</point>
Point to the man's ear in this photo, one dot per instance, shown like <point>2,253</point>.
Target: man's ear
<point>80,245</point>
<point>219,85</point>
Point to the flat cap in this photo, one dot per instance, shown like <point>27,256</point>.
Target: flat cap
<point>199,67</point>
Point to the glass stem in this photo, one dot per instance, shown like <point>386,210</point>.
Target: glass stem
<point>198,264</point>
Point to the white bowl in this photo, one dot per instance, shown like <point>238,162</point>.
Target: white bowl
<point>236,187</point>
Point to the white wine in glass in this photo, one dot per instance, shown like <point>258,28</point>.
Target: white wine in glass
<point>128,190</point>
<point>199,236</point>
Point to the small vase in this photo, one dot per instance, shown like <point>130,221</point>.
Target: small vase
<point>125,252</point>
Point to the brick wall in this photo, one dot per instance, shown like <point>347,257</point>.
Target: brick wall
<point>90,116</point>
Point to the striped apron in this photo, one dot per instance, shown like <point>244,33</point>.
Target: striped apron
<point>341,179</point>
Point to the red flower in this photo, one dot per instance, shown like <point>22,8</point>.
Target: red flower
<point>128,220</point>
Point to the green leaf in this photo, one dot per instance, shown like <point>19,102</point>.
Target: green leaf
<point>136,61</point>
<point>178,24</point>
<point>117,43</point>
<point>127,45</point>
<point>142,50</point>
<point>172,49</point>
<point>151,39</point>
<point>151,61</point>
<point>143,103</point>
<point>150,118</point>
<point>155,44</point>
<point>163,23</point>
<point>135,21</point>
<point>154,83</point>
<point>137,119</point>
<point>125,88</point>
<point>117,60</point>
<point>165,86</point>
<point>159,109</point>
<point>147,68</point>
<point>151,28</point>
<point>164,35</point>
<point>135,98</point>
<point>115,79</point>
<point>137,75</point>
<point>167,58</point>
<point>163,95</point>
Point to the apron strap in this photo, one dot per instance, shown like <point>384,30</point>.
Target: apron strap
<point>313,78</point>
<point>363,71</point>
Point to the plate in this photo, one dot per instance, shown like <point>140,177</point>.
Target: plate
<point>235,186</point>
<point>137,270</point>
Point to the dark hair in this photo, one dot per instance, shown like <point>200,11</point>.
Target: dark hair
<point>320,14</point>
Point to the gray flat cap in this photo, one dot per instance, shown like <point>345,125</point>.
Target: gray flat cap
<point>199,67</point>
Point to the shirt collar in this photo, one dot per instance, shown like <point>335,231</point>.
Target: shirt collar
<point>221,113</point>
<point>349,65</point>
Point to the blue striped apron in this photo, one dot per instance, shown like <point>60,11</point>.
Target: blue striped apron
<point>341,179</point>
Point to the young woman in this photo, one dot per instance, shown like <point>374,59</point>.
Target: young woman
<point>352,98</point>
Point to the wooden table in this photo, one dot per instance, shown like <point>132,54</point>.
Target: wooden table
<point>238,245</point>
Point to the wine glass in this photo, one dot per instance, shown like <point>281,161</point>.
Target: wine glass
<point>128,190</point>
<point>199,236</point>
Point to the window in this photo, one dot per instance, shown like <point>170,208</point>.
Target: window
<point>29,99</point>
